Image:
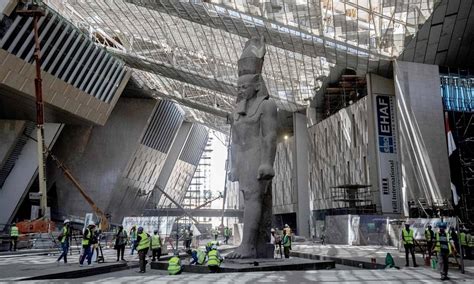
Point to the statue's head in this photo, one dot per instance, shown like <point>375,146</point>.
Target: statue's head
<point>247,86</point>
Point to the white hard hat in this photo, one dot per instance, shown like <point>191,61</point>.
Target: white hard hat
<point>67,221</point>
<point>272,230</point>
<point>286,225</point>
<point>91,223</point>
<point>214,246</point>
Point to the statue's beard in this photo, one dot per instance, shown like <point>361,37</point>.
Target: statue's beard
<point>242,107</point>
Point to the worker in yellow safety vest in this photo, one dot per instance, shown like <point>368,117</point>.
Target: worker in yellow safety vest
<point>470,244</point>
<point>174,265</point>
<point>14,233</point>
<point>408,239</point>
<point>156,246</point>
<point>143,245</point>
<point>443,248</point>
<point>86,244</point>
<point>214,260</point>
<point>64,238</point>
<point>464,242</point>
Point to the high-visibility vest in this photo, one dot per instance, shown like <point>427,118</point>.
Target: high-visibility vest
<point>64,233</point>
<point>14,231</point>
<point>286,241</point>
<point>213,258</point>
<point>470,239</point>
<point>201,257</point>
<point>463,239</point>
<point>442,242</point>
<point>86,240</point>
<point>174,265</point>
<point>155,242</point>
<point>144,241</point>
<point>407,236</point>
<point>428,236</point>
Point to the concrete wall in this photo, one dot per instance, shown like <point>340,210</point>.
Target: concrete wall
<point>10,130</point>
<point>63,102</point>
<point>23,174</point>
<point>425,171</point>
<point>285,196</point>
<point>339,154</point>
<point>98,156</point>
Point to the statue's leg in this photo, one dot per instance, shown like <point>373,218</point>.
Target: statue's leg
<point>252,213</point>
<point>263,239</point>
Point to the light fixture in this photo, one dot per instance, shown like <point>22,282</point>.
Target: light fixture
<point>286,137</point>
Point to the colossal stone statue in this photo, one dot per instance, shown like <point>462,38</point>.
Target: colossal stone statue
<point>253,147</point>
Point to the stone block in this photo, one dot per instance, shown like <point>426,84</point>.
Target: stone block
<point>13,63</point>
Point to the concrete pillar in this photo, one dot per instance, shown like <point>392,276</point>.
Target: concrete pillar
<point>172,157</point>
<point>301,150</point>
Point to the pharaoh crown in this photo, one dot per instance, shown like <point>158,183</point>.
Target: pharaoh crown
<point>251,60</point>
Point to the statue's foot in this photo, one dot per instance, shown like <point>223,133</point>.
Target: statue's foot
<point>242,251</point>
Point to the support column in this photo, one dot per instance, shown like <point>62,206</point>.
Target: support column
<point>301,150</point>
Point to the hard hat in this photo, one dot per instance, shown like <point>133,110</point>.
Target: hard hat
<point>286,226</point>
<point>272,230</point>
<point>214,246</point>
<point>91,223</point>
<point>140,229</point>
<point>67,221</point>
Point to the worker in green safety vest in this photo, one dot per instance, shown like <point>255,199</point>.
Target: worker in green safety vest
<point>210,244</point>
<point>470,244</point>
<point>286,243</point>
<point>156,246</point>
<point>443,244</point>
<point>408,238</point>
<point>226,235</point>
<point>14,233</point>
<point>86,244</point>
<point>464,242</point>
<point>214,260</point>
<point>64,239</point>
<point>143,245</point>
<point>174,265</point>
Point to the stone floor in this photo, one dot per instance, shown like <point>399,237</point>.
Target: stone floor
<point>14,267</point>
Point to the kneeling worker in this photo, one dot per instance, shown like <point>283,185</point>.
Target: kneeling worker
<point>174,265</point>
<point>214,259</point>
<point>198,257</point>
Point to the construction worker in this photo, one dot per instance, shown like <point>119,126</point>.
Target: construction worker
<point>143,245</point>
<point>443,249</point>
<point>215,232</point>
<point>86,244</point>
<point>408,243</point>
<point>14,233</point>
<point>197,257</point>
<point>210,244</point>
<point>133,239</point>
<point>470,238</point>
<point>214,260</point>
<point>174,265</point>
<point>429,238</point>
<point>286,244</point>
<point>226,235</point>
<point>464,242</point>
<point>120,242</point>
<point>156,246</point>
<point>64,239</point>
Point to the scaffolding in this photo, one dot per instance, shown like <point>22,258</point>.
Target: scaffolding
<point>348,90</point>
<point>356,199</point>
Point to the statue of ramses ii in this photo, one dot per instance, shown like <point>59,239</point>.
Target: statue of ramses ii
<point>253,147</point>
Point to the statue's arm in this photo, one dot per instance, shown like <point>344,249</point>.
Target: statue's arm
<point>268,128</point>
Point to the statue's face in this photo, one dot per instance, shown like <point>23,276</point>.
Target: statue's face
<point>246,87</point>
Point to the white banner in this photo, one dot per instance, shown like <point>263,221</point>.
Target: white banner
<point>387,153</point>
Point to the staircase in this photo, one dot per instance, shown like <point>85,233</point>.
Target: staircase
<point>15,153</point>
